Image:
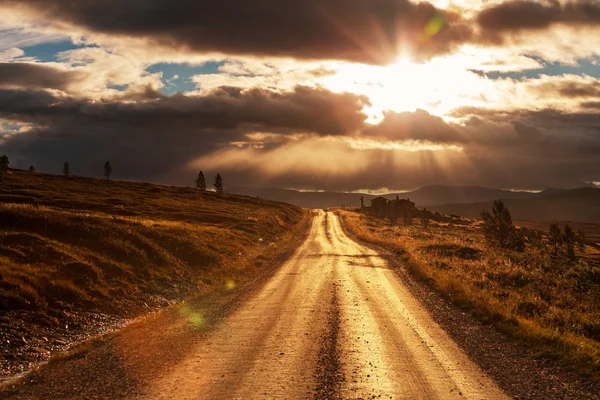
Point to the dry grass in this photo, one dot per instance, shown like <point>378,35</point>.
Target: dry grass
<point>79,244</point>
<point>551,304</point>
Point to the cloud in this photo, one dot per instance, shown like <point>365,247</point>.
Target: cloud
<point>418,125</point>
<point>499,149</point>
<point>152,137</point>
<point>14,35</point>
<point>301,110</point>
<point>528,15</point>
<point>566,86</point>
<point>370,31</point>
<point>38,76</point>
<point>307,138</point>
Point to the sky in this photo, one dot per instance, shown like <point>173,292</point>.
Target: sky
<point>308,94</point>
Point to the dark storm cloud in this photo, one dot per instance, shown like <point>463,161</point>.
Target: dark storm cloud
<point>151,139</point>
<point>301,110</point>
<point>523,15</point>
<point>547,118</point>
<point>37,76</point>
<point>358,30</point>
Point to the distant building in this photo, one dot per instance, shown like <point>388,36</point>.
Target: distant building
<point>379,206</point>
<point>393,209</point>
<point>399,207</point>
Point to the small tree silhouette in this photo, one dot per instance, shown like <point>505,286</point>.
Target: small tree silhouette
<point>570,240</point>
<point>555,238</point>
<point>218,184</point>
<point>499,230</point>
<point>3,166</point>
<point>32,169</point>
<point>66,169</point>
<point>107,170</point>
<point>4,163</point>
<point>201,181</point>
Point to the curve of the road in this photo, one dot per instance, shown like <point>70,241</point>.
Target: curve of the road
<point>387,344</point>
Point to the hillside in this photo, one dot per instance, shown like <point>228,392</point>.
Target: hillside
<point>578,205</point>
<point>423,197</point>
<point>77,251</point>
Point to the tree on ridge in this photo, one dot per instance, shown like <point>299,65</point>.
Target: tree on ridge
<point>218,184</point>
<point>201,182</point>
<point>107,170</point>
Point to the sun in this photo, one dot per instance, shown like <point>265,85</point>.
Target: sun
<point>437,86</point>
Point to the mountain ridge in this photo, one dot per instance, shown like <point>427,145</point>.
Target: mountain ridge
<point>426,196</point>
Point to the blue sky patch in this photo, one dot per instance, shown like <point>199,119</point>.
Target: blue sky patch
<point>185,72</point>
<point>584,67</point>
<point>47,52</point>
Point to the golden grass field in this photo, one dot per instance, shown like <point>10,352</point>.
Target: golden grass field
<point>550,303</point>
<point>70,244</point>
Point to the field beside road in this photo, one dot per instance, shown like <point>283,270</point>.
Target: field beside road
<point>551,304</point>
<point>79,256</point>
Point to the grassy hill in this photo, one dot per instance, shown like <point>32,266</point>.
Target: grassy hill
<point>73,249</point>
<point>578,205</point>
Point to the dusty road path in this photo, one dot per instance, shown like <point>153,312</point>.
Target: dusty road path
<point>271,347</point>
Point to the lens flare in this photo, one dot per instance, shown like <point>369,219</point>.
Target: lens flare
<point>195,318</point>
<point>434,26</point>
<point>230,284</point>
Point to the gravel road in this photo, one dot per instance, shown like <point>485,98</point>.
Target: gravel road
<point>334,321</point>
<point>388,346</point>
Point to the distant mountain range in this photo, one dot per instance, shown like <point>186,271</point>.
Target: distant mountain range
<point>423,197</point>
<point>578,205</point>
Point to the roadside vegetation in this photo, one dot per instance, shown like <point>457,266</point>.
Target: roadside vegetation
<point>542,287</point>
<point>74,250</point>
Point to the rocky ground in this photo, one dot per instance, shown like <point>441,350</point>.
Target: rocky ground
<point>29,339</point>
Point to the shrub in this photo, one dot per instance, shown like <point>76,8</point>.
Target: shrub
<point>555,238</point>
<point>569,239</point>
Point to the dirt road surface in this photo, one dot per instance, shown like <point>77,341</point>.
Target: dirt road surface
<point>386,343</point>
